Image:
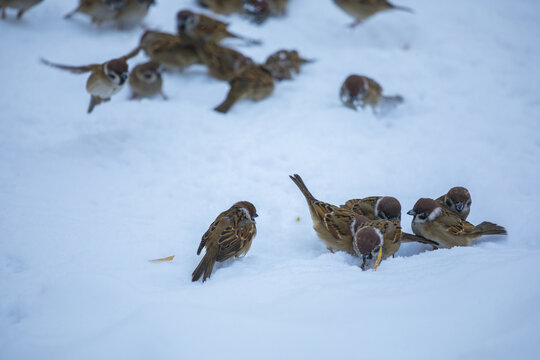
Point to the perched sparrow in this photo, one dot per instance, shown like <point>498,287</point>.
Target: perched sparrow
<point>21,5</point>
<point>229,235</point>
<point>363,9</point>
<point>436,223</point>
<point>360,91</point>
<point>223,63</point>
<point>133,13</point>
<point>282,62</point>
<point>168,50</point>
<point>100,11</point>
<point>376,207</point>
<point>145,81</point>
<point>458,200</point>
<point>251,82</point>
<point>195,27</point>
<point>105,79</point>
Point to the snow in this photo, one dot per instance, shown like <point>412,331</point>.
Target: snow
<point>89,199</point>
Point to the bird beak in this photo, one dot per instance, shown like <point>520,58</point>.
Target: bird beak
<point>256,215</point>
<point>411,212</point>
<point>459,206</point>
<point>307,61</point>
<point>124,76</point>
<point>379,258</point>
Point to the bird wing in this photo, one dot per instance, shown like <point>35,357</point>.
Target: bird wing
<point>365,206</point>
<point>233,239</point>
<point>453,225</point>
<point>73,69</point>
<point>338,222</point>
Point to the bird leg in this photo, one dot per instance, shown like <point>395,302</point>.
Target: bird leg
<point>355,23</point>
<point>3,13</point>
<point>330,249</point>
<point>20,14</point>
<point>163,95</point>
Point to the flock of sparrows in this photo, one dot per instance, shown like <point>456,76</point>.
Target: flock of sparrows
<point>198,41</point>
<point>369,228</point>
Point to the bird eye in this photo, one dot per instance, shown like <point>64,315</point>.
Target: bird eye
<point>422,216</point>
<point>468,203</point>
<point>112,76</point>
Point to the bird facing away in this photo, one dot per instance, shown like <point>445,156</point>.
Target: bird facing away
<point>282,62</point>
<point>145,81</point>
<point>99,11</point>
<point>194,26</point>
<point>252,82</point>
<point>363,9</point>
<point>105,79</point>
<point>223,63</point>
<point>230,235</point>
<point>433,222</point>
<point>457,199</point>
<point>21,6</point>
<point>376,207</point>
<point>359,90</point>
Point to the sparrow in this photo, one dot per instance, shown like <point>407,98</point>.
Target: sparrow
<point>168,50</point>
<point>223,63</point>
<point>358,90</point>
<point>257,11</point>
<point>99,11</point>
<point>283,61</point>
<point>145,81</point>
<point>443,226</point>
<point>230,235</point>
<point>225,7</point>
<point>333,225</point>
<point>21,5</point>
<point>458,200</point>
<point>251,82</point>
<point>363,9</point>
<point>105,79</point>
<point>195,26</point>
<point>133,13</point>
<point>376,207</point>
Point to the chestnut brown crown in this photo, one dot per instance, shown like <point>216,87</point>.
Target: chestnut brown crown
<point>459,194</point>
<point>358,221</point>
<point>388,208</point>
<point>118,65</point>
<point>355,85</point>
<point>424,205</point>
<point>249,207</point>
<point>366,240</point>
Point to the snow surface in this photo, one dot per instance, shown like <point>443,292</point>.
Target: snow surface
<point>87,200</point>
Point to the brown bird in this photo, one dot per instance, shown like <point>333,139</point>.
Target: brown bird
<point>376,207</point>
<point>332,224</point>
<point>168,50</point>
<point>283,61</point>
<point>99,11</point>
<point>251,82</point>
<point>457,199</point>
<point>225,7</point>
<point>21,5</point>
<point>133,13</point>
<point>436,223</point>
<point>223,63</point>
<point>358,90</point>
<point>230,235</point>
<point>363,9</point>
<point>193,26</point>
<point>105,79</point>
<point>145,81</point>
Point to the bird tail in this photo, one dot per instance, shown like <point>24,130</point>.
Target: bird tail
<point>248,41</point>
<point>232,97</point>
<point>94,100</point>
<point>300,183</point>
<point>403,8</point>
<point>406,237</point>
<point>386,104</point>
<point>488,228</point>
<point>206,265</point>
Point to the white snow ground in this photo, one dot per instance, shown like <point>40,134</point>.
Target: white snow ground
<point>88,200</point>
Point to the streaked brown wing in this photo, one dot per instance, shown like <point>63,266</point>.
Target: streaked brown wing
<point>73,69</point>
<point>338,223</point>
<point>233,240</point>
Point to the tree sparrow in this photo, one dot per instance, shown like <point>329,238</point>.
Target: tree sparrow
<point>168,50</point>
<point>457,199</point>
<point>223,63</point>
<point>145,81</point>
<point>105,79</point>
<point>360,91</point>
<point>363,9</point>
<point>230,235</point>
<point>436,223</point>
<point>283,61</point>
<point>251,82</point>
<point>195,26</point>
<point>21,5</point>
<point>99,11</point>
<point>133,13</point>
<point>376,207</point>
